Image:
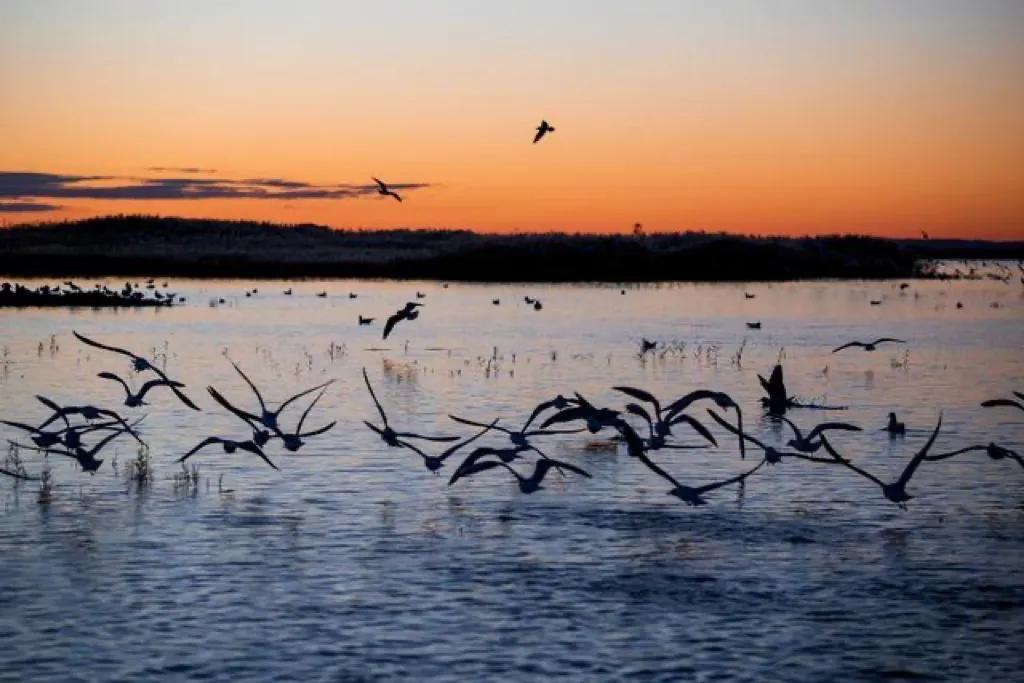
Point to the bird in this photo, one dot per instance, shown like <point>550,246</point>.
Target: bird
<point>537,305</point>
<point>288,292</point>
<point>647,345</point>
<point>772,455</point>
<point>387,433</point>
<point>322,295</point>
<point>134,400</point>
<point>229,446</point>
<point>531,484</point>
<point>519,438</point>
<point>895,491</point>
<point>924,235</point>
<point>496,302</point>
<point>529,300</point>
<point>868,346</point>
<point>267,419</point>
<point>382,189</point>
<point>90,413</point>
<point>365,321</point>
<point>720,399</point>
<point>876,302</point>
<point>86,457</point>
<point>409,312</point>
<point>1005,402</point>
<point>660,425</point>
<point>543,129</point>
<point>420,295</point>
<point>141,364</point>
<point>352,295</point>
<point>596,418</point>
<point>994,451</point>
<point>504,454</point>
<point>748,295</point>
<point>895,427</point>
<point>435,462</point>
<point>292,441</point>
<point>755,325</point>
<point>807,444</point>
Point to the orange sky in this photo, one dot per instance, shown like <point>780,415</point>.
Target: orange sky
<point>787,117</point>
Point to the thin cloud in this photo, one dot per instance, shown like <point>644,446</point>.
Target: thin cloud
<point>26,207</point>
<point>62,186</point>
<point>181,169</point>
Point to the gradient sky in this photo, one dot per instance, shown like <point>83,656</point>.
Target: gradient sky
<point>877,116</point>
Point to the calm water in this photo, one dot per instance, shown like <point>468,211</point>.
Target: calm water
<point>354,562</point>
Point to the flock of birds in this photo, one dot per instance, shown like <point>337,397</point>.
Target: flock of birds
<point>645,426</point>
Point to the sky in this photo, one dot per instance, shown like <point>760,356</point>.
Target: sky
<point>883,117</point>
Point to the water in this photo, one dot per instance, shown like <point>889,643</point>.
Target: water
<point>355,563</point>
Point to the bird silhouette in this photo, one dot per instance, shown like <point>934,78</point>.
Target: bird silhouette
<point>807,444</point>
<point>140,364</point>
<point>868,346</point>
<point>382,189</point>
<point>435,462</point>
<point>1005,402</point>
<point>993,450</point>
<point>387,433</point>
<point>894,427</point>
<point>229,446</point>
<point>895,491</point>
<point>543,129</point>
<point>409,312</point>
<point>134,400</point>
<point>365,321</point>
<point>532,483</point>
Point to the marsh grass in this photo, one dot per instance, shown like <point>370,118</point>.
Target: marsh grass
<point>46,484</point>
<point>140,469</point>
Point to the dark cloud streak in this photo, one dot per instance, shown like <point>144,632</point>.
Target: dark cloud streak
<point>61,186</point>
<point>26,207</point>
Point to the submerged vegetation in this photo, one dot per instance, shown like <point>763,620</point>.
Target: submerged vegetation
<point>147,245</point>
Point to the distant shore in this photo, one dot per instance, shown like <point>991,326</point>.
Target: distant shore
<point>152,246</point>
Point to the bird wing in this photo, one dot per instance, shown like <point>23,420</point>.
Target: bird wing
<point>943,456</point>
<point>541,407</point>
<point>654,467</point>
<point>115,349</point>
<point>16,475</point>
<point>567,415</point>
<point>830,426</point>
<point>639,411</point>
<point>468,468</point>
<point>912,466</point>
<point>539,135</point>
<point>846,463</point>
<point>298,427</point>
<point>380,410</point>
<point>697,427</point>
<point>847,346</point>
<point>304,393</point>
<point>473,423</point>
<point>421,437</point>
<point>738,432</point>
<point>380,184</point>
<point>319,430</point>
<point>726,482</point>
<point>153,383</point>
<point>888,339</point>
<point>112,376</point>
<point>58,412</point>
<point>393,320</point>
<point>201,445</point>
<point>256,450</point>
<point>20,425</point>
<point>249,418</point>
<point>545,465</point>
<point>1002,402</point>
<point>259,397</point>
<point>641,395</point>
<point>796,430</point>
<point>465,442</point>
<point>104,441</point>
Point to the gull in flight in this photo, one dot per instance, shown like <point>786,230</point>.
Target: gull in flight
<point>382,189</point>
<point>543,129</point>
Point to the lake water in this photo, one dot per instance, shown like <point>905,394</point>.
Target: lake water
<point>356,563</point>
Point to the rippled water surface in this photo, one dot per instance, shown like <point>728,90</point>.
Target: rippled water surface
<point>354,562</point>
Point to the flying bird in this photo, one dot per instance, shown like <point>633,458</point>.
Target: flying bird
<point>387,433</point>
<point>868,346</point>
<point>543,129</point>
<point>229,446</point>
<point>141,364</point>
<point>382,189</point>
<point>531,484</point>
<point>409,312</point>
<point>807,444</point>
<point>134,400</point>
<point>1005,402</point>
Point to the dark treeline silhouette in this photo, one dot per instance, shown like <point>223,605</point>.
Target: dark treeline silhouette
<point>147,245</point>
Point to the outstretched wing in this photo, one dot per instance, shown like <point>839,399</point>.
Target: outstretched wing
<point>847,346</point>
<point>908,472</point>
<point>247,417</point>
<point>380,410</point>
<point>831,426</point>
<point>391,322</point>
<point>105,347</point>
<point>200,446</point>
<point>888,339</point>
<point>259,397</point>
<point>641,395</point>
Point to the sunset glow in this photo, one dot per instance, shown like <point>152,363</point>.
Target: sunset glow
<point>879,117</point>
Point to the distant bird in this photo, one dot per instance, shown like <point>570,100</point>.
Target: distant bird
<point>895,427</point>
<point>267,419</point>
<point>420,295</point>
<point>755,325</point>
<point>807,444</point>
<point>409,312</point>
<point>387,433</point>
<point>647,345</point>
<point>924,234</point>
<point>229,446</point>
<point>352,295</point>
<point>748,295</point>
<point>543,129</point>
<point>134,400</point>
<point>382,189</point>
<point>365,321</point>
<point>720,399</point>
<point>895,491</point>
<point>531,484</point>
<point>537,305</point>
<point>496,302</point>
<point>529,300</point>
<point>322,295</point>
<point>288,292</point>
<point>868,346</point>
<point>994,451</point>
<point>141,364</point>
<point>1005,402</point>
<point>876,302</point>
<point>904,285</point>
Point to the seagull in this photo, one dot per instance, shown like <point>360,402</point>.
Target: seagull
<point>382,189</point>
<point>994,451</point>
<point>755,325</point>
<point>895,491</point>
<point>647,345</point>
<point>895,427</point>
<point>140,364</point>
<point>868,346</point>
<point>773,456</point>
<point>293,441</point>
<point>135,400</point>
<point>531,484</point>
<point>543,129</point>
<point>69,436</point>
<point>407,313</point>
<point>435,462</point>
<point>86,457</point>
<point>230,446</point>
<point>267,418</point>
<point>365,321</point>
<point>720,399</point>
<point>389,435</point>
<point>596,418</point>
<point>503,454</point>
<point>1005,402</point>
<point>693,495</point>
<point>660,426</point>
<point>558,402</point>
<point>520,438</point>
<point>288,292</point>
<point>748,295</point>
<point>537,305</point>
<point>496,302</point>
<point>807,444</point>
<point>88,412</point>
